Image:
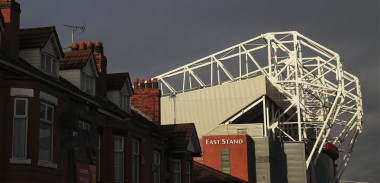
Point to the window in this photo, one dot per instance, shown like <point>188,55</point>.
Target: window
<point>225,154</point>
<point>119,158</point>
<point>46,132</point>
<point>188,172</point>
<point>49,64</point>
<point>98,160</point>
<point>156,167</point>
<point>135,161</point>
<point>87,83</point>
<point>125,102</point>
<point>177,171</point>
<point>20,118</point>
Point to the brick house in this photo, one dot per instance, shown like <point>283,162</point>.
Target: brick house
<point>63,118</point>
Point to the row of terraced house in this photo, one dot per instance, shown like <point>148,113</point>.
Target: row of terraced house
<point>63,118</point>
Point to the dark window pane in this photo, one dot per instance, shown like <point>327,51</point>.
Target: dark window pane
<point>20,107</point>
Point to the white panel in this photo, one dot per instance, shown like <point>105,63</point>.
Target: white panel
<point>49,98</point>
<point>22,92</point>
<point>208,107</point>
<point>72,75</point>
<point>32,56</point>
<point>262,159</point>
<point>114,97</point>
<point>50,48</point>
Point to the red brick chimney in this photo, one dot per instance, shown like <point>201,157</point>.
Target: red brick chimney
<point>146,98</point>
<point>10,37</point>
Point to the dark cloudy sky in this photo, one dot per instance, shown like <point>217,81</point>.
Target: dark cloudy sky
<point>148,38</point>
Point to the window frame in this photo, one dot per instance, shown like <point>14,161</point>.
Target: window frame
<point>156,167</point>
<point>125,103</point>
<point>98,159</point>
<point>177,171</point>
<point>88,84</point>
<point>53,64</point>
<point>225,152</point>
<point>51,123</point>
<point>122,152</point>
<point>25,116</point>
<point>188,171</point>
<point>135,154</point>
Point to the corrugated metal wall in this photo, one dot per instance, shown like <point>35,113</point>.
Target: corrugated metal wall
<point>253,130</point>
<point>208,107</point>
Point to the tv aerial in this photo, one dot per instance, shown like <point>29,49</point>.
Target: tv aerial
<point>74,28</point>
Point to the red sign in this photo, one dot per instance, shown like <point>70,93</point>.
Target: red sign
<point>84,173</point>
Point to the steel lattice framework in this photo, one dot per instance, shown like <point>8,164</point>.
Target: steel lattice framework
<point>326,100</point>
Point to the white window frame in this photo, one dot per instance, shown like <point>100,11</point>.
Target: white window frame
<point>53,64</point>
<point>46,121</point>
<point>16,116</point>
<point>125,103</point>
<point>88,83</point>
<point>135,161</point>
<point>156,167</point>
<point>177,171</point>
<point>188,172</point>
<point>121,151</point>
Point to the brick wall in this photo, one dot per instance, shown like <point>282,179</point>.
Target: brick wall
<point>146,98</point>
<point>239,153</point>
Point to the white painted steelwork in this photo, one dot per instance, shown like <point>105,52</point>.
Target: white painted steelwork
<point>327,100</point>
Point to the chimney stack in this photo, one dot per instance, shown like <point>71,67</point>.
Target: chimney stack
<point>82,46</point>
<point>10,38</point>
<point>146,98</point>
<point>89,46</point>
<point>74,46</point>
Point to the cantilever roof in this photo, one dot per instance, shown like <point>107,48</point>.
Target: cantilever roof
<point>38,37</point>
<point>75,59</point>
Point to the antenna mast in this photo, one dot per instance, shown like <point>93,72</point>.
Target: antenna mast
<point>74,28</point>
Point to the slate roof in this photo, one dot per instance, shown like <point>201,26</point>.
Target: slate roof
<point>182,134</point>
<point>75,59</point>
<point>38,37</point>
<point>205,174</point>
<point>116,81</point>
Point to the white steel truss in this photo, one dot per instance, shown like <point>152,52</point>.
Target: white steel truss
<point>326,99</point>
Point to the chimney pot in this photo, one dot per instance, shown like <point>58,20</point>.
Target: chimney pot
<point>148,83</point>
<point>98,47</point>
<point>155,83</point>
<point>136,83</point>
<point>89,46</point>
<point>74,46</point>
<point>82,46</point>
<point>142,84</point>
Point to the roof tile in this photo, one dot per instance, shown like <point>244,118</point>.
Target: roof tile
<point>206,174</point>
<point>75,59</point>
<point>116,81</point>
